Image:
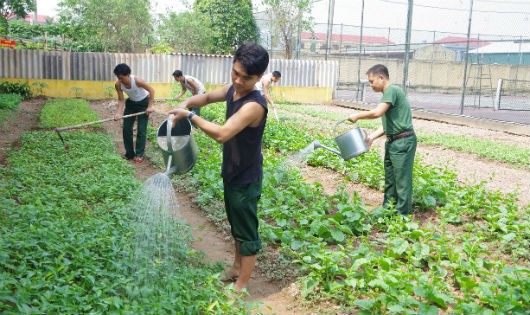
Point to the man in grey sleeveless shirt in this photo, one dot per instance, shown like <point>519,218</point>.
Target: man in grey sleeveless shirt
<point>141,98</point>
<point>187,82</point>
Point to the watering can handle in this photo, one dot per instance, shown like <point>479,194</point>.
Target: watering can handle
<point>168,135</point>
<point>338,123</point>
<point>365,133</point>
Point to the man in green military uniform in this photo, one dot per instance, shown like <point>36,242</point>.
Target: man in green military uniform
<point>400,147</point>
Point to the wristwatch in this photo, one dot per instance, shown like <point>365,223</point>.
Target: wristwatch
<point>190,116</point>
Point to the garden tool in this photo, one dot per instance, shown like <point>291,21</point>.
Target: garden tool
<point>59,129</point>
<point>351,143</point>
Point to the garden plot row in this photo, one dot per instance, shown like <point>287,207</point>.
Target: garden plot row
<point>67,231</point>
<point>473,257</point>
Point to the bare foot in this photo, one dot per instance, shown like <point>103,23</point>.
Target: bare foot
<point>230,274</point>
<point>240,288</point>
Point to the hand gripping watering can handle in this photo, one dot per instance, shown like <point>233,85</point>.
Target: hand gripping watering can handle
<point>168,136</point>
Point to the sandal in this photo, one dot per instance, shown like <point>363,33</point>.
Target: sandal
<point>125,157</point>
<point>138,159</point>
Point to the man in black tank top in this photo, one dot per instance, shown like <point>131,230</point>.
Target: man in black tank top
<point>242,137</point>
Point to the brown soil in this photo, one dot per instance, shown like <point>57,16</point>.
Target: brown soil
<point>275,299</point>
<point>27,118</point>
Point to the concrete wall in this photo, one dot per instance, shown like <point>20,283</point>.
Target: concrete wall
<point>443,76</point>
<point>434,52</point>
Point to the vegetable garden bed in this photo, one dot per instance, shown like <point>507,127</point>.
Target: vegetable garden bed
<point>65,231</point>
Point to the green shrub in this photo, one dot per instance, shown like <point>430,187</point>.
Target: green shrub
<point>21,89</point>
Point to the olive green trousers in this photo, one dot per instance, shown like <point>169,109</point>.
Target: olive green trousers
<point>399,161</point>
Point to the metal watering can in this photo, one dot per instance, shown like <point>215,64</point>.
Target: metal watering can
<point>351,143</point>
<point>177,145</point>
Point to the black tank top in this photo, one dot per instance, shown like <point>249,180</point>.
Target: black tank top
<point>242,158</point>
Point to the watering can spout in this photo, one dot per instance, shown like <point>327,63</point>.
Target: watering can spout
<point>317,144</point>
<point>170,169</point>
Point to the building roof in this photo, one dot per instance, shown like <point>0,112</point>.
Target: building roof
<point>503,48</point>
<point>454,41</point>
<point>347,38</point>
<point>41,19</point>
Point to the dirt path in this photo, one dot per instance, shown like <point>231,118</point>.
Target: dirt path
<point>275,299</point>
<point>26,119</point>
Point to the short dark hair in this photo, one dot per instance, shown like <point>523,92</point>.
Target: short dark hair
<point>276,74</point>
<point>177,73</point>
<point>379,69</point>
<point>253,57</point>
<point>122,69</point>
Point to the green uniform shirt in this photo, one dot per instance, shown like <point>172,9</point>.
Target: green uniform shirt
<point>398,118</point>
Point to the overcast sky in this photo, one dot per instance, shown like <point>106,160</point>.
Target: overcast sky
<point>493,17</point>
<point>496,17</point>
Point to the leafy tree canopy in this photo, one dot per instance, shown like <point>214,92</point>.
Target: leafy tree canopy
<point>231,22</point>
<point>106,25</point>
<point>188,32</point>
<point>20,8</point>
<point>288,18</point>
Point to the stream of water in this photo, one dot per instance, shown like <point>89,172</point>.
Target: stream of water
<point>302,155</point>
<point>158,227</point>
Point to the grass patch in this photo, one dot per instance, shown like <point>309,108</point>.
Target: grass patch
<point>314,111</point>
<point>67,112</point>
<point>484,148</point>
<point>9,103</point>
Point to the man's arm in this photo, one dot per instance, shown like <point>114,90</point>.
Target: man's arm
<point>121,101</point>
<point>182,90</point>
<point>201,100</point>
<point>141,83</point>
<point>376,134</point>
<point>249,114</point>
<point>375,113</point>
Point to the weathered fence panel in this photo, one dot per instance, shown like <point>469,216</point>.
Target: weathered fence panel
<point>59,65</point>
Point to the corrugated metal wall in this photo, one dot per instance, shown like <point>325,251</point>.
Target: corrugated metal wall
<point>35,64</point>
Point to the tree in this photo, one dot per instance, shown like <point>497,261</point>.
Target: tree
<point>34,36</point>
<point>20,8</point>
<point>188,32</point>
<point>105,25</point>
<point>288,18</point>
<point>231,23</point>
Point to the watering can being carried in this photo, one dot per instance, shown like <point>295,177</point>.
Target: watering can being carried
<point>351,143</point>
<point>177,145</point>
